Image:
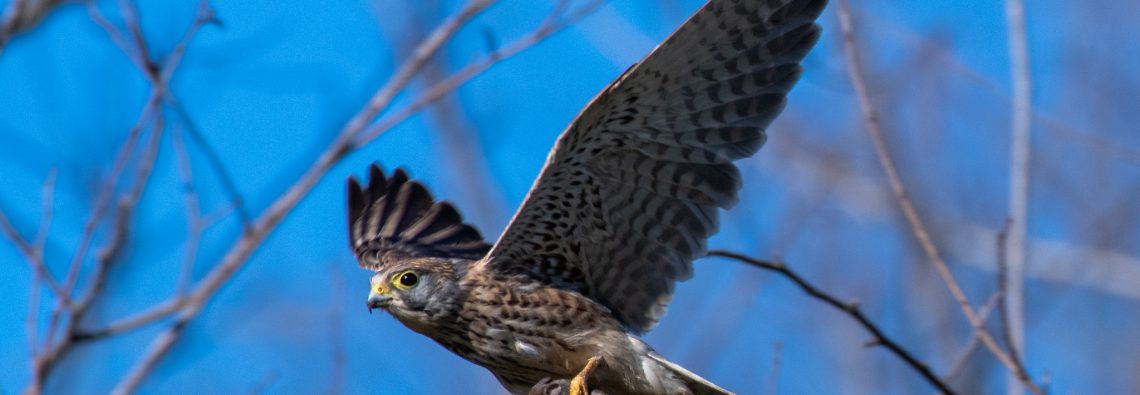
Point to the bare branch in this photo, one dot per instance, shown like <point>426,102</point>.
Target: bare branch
<point>213,159</point>
<point>151,315</point>
<point>851,309</point>
<point>551,25</point>
<point>875,132</point>
<point>959,364</point>
<point>23,15</point>
<point>33,251</point>
<point>155,351</point>
<point>348,139</point>
<point>194,221</point>
<point>1003,288</point>
<point>1013,293</point>
<point>422,54</point>
<point>68,312</point>
<point>1052,125</point>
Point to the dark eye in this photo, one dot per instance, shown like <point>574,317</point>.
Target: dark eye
<point>409,279</point>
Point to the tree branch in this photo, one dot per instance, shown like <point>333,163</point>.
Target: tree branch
<point>851,309</point>
<point>1013,293</point>
<point>355,133</point>
<point>875,132</point>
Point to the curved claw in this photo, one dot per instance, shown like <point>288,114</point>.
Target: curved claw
<point>578,384</point>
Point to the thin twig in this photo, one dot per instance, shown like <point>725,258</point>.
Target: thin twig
<point>1003,312</point>
<point>204,15</point>
<point>851,309</point>
<point>1013,293</point>
<point>959,364</point>
<point>48,204</point>
<point>22,15</point>
<point>213,159</point>
<point>875,132</point>
<point>194,221</point>
<point>552,25</point>
<point>1054,126</point>
<point>106,192</point>
<point>32,252</point>
<point>151,315</point>
<point>69,312</point>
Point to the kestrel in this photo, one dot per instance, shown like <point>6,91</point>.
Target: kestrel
<point>625,202</point>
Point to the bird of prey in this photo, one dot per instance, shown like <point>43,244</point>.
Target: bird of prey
<point>627,198</point>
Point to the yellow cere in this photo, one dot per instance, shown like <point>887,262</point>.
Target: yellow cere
<point>379,287</point>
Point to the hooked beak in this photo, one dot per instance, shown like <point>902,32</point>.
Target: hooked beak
<point>377,300</point>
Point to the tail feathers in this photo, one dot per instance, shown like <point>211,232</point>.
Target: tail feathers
<point>697,384</point>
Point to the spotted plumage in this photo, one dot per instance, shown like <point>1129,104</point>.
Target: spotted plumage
<point>625,202</point>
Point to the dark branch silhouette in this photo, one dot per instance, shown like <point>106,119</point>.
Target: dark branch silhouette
<point>851,309</point>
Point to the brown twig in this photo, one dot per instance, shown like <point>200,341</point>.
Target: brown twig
<point>874,130</point>
<point>447,85</point>
<point>22,15</point>
<point>48,199</point>
<point>32,251</point>
<point>194,220</point>
<point>851,309</point>
<point>959,364</point>
<point>153,314</point>
<point>70,312</point>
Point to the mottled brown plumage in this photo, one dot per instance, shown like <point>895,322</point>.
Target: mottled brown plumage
<point>626,201</point>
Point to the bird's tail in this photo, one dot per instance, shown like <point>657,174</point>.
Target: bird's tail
<point>697,384</point>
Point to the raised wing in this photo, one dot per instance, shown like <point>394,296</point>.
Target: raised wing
<point>395,218</point>
<point>630,192</point>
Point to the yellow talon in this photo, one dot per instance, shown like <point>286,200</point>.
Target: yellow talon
<point>578,384</point>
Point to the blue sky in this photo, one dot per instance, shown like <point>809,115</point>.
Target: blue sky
<point>272,86</point>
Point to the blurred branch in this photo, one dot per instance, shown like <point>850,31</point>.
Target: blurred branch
<point>874,129</point>
<point>1013,293</point>
<point>153,314</point>
<point>551,25</point>
<point>195,224</point>
<point>851,309</point>
<point>34,252</point>
<point>23,15</point>
<point>1056,127</point>
<point>355,134</point>
<point>960,363</point>
<point>69,312</point>
<point>1007,327</point>
<point>213,159</point>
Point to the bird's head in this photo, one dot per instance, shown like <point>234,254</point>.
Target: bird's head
<point>417,292</point>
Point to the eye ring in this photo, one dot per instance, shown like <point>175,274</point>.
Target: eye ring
<point>406,279</point>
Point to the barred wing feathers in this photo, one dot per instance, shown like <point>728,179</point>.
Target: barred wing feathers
<point>630,192</point>
<point>394,218</point>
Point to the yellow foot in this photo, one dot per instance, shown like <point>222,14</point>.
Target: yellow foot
<point>578,384</point>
